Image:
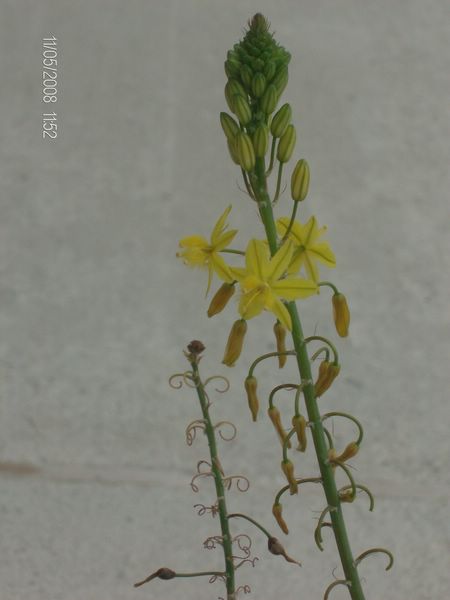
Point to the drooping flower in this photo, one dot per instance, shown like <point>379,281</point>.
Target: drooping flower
<point>308,250</point>
<point>264,282</point>
<point>198,252</point>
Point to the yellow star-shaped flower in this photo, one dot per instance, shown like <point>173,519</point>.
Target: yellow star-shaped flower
<point>198,252</point>
<point>264,282</point>
<point>307,249</point>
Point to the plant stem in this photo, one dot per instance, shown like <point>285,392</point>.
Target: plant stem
<point>220,490</point>
<point>317,430</point>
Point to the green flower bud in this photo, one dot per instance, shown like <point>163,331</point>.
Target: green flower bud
<point>233,152</point>
<point>246,75</point>
<point>232,68</point>
<point>287,144</point>
<point>245,151</point>
<point>281,79</point>
<point>261,140</point>
<point>233,87</point>
<point>229,126</point>
<point>269,99</point>
<point>242,109</point>
<point>300,181</point>
<point>270,70</point>
<point>258,85</point>
<point>281,120</point>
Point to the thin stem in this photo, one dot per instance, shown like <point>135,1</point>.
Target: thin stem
<point>231,251</point>
<point>318,434</point>
<point>291,222</point>
<point>258,525</point>
<point>220,490</point>
<point>328,284</point>
<point>272,156</point>
<point>277,191</point>
<point>201,574</point>
<point>268,355</point>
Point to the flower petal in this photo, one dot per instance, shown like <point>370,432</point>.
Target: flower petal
<point>324,254</point>
<point>291,289</point>
<point>220,226</point>
<point>193,241</point>
<point>256,258</point>
<point>296,233</point>
<point>252,303</point>
<point>224,239</point>
<point>221,268</point>
<point>275,305</point>
<point>280,262</point>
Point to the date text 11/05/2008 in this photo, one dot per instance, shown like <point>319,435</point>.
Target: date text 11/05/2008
<point>50,85</point>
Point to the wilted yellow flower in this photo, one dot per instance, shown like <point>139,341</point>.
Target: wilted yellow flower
<point>307,249</point>
<point>220,299</point>
<point>263,282</point>
<point>280,336</point>
<point>235,341</point>
<point>277,511</point>
<point>251,385</point>
<point>198,252</point>
<point>288,469</point>
<point>341,314</point>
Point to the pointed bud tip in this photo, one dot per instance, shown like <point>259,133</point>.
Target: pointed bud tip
<point>258,23</point>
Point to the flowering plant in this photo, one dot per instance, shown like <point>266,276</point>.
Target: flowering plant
<point>276,271</point>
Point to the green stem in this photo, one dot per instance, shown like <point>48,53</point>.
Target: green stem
<point>220,490</point>
<point>315,421</point>
<point>258,525</point>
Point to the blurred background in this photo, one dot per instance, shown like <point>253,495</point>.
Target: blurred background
<point>95,309</point>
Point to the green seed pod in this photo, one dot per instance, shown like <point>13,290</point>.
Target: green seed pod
<point>270,70</point>
<point>245,151</point>
<point>287,144</point>
<point>258,85</point>
<point>229,126</point>
<point>269,99</point>
<point>261,140</point>
<point>242,109</point>
<point>281,80</point>
<point>246,76</point>
<point>232,68</point>
<point>233,87</point>
<point>300,181</point>
<point>281,120</point>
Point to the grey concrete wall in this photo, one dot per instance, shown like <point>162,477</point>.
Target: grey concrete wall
<point>95,309</point>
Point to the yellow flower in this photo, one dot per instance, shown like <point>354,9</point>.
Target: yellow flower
<point>307,249</point>
<point>263,282</point>
<point>198,252</point>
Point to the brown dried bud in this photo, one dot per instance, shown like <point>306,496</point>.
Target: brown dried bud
<point>220,299</point>
<point>280,335</point>
<point>251,385</point>
<point>162,573</point>
<point>195,347</point>
<point>275,417</point>
<point>277,511</point>
<point>275,547</point>
<point>299,424</point>
<point>350,451</point>
<point>288,470</point>
<point>235,342</point>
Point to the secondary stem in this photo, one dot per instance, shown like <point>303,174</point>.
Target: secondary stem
<point>328,482</point>
<point>220,490</point>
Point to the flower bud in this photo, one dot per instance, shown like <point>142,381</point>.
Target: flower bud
<point>269,99</point>
<point>275,417</point>
<point>251,385</point>
<point>258,85</point>
<point>232,88</point>
<point>299,424</point>
<point>288,470</point>
<point>275,547</point>
<point>220,299</point>
<point>341,314</point>
<point>281,120</point>
<point>287,144</point>
<point>245,151</point>
<point>280,335</point>
<point>270,69</point>
<point>327,374</point>
<point>261,140</point>
<point>246,76</point>
<point>229,126</point>
<point>349,452</point>
<point>241,109</point>
<point>235,341</point>
<point>233,152</point>
<point>277,511</point>
<point>232,68</point>
<point>300,181</point>
<point>281,79</point>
